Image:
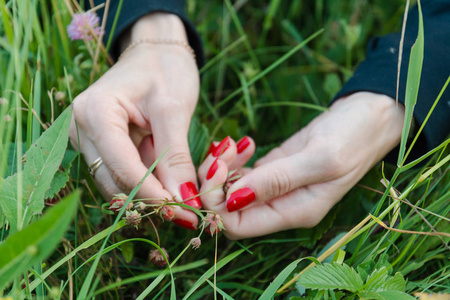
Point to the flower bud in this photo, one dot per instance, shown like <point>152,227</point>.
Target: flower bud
<point>195,242</point>
<point>60,96</point>
<point>232,177</point>
<point>166,212</point>
<point>118,201</point>
<point>213,224</point>
<point>157,258</point>
<point>133,218</point>
<point>141,206</point>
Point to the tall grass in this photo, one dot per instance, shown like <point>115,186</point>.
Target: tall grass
<point>271,69</point>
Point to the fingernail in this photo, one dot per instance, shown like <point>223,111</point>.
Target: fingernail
<point>188,190</point>
<point>152,141</point>
<point>212,170</point>
<point>240,199</point>
<point>242,144</point>
<point>222,147</point>
<point>184,224</point>
<point>211,149</point>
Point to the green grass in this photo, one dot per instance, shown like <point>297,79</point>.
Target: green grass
<point>270,70</point>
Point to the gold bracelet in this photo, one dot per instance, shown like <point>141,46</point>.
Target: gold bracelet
<point>159,42</point>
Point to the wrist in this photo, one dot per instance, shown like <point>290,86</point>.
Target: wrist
<point>158,25</point>
<point>382,113</point>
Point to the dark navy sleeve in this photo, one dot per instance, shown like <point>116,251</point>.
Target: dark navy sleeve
<point>132,10</point>
<point>378,72</point>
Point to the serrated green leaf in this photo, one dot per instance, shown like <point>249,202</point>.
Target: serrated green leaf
<point>376,280</point>
<point>395,283</point>
<point>37,241</point>
<point>383,261</point>
<point>331,276</point>
<point>42,161</point>
<point>69,157</point>
<point>365,268</point>
<point>59,181</point>
<point>386,295</point>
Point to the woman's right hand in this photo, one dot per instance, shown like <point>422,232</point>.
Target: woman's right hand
<point>142,106</point>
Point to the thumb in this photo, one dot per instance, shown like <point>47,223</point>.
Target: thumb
<point>175,169</point>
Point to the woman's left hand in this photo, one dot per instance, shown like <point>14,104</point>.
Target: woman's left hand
<point>297,183</point>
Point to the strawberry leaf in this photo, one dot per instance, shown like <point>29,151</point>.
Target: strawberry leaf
<point>331,276</point>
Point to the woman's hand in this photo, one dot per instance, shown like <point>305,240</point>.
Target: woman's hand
<point>142,106</point>
<point>296,184</point>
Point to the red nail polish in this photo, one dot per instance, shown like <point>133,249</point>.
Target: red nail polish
<point>152,141</point>
<point>242,144</point>
<point>240,199</point>
<point>211,149</point>
<point>184,224</point>
<point>222,147</point>
<point>212,170</point>
<point>188,190</point>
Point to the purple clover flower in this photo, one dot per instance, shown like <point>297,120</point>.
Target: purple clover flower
<point>84,26</point>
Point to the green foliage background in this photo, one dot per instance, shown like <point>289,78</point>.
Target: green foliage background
<point>39,64</point>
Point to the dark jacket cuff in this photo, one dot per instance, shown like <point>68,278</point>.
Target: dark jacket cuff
<point>378,72</point>
<point>131,11</point>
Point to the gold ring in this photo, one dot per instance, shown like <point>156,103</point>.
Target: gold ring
<point>94,166</point>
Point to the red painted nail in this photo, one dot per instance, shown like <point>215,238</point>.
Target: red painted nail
<point>242,144</point>
<point>240,199</point>
<point>188,190</point>
<point>212,170</point>
<point>152,141</point>
<point>184,224</point>
<point>211,149</point>
<point>222,147</point>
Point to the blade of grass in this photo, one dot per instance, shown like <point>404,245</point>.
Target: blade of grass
<point>221,54</point>
<point>425,176</point>
<point>274,285</point>
<point>30,118</point>
<point>110,248</point>
<point>270,68</point>
<point>412,86</point>
<point>268,21</point>
<point>93,240</point>
<point>87,282</point>
<point>7,22</point>
<point>210,272</point>
<point>248,101</point>
<point>61,30</point>
<point>221,292</point>
<point>410,165</point>
<point>428,116</point>
<point>251,52</point>
<point>294,104</point>
<point>36,128</point>
<point>161,276</point>
<point>140,277</point>
<point>113,28</point>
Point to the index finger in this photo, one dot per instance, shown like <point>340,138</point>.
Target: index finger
<point>122,159</point>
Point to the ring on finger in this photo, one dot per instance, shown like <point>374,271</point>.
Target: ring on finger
<point>94,166</point>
